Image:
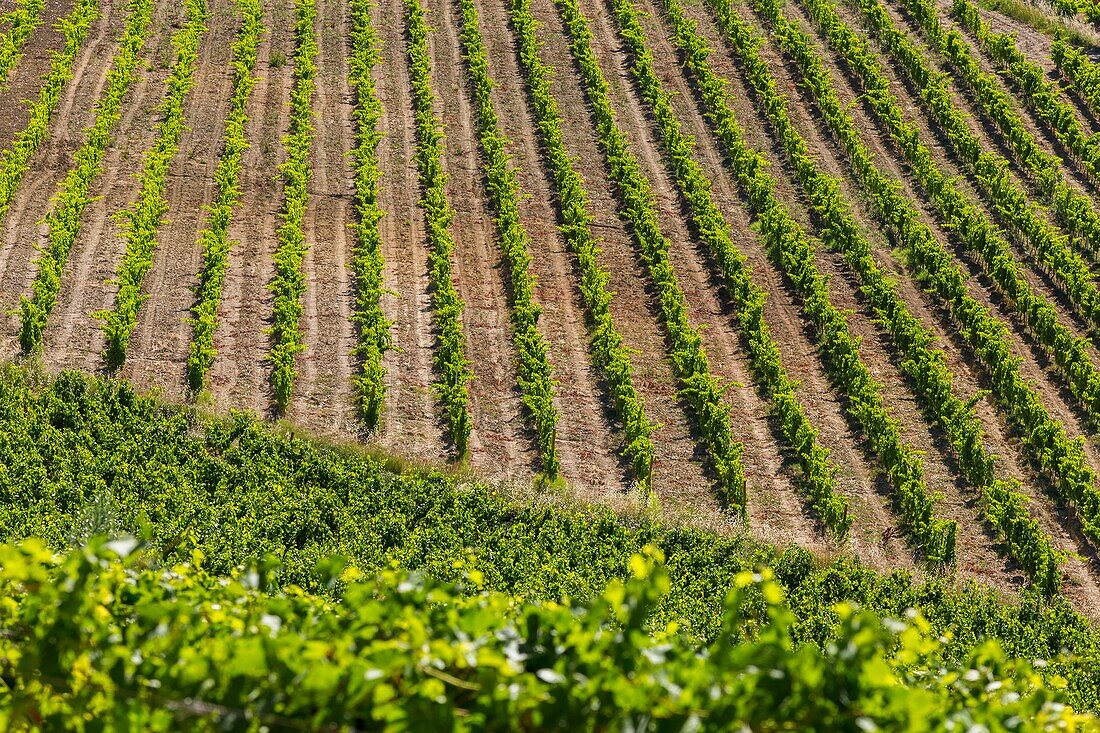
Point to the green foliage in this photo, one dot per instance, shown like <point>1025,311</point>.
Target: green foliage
<point>103,633</point>
<point>1076,213</point>
<point>290,282</point>
<point>1003,504</point>
<point>74,193</point>
<point>1077,69</point>
<point>81,457</point>
<point>143,219</point>
<point>609,354</point>
<point>534,371</point>
<point>15,161</point>
<point>819,474</point>
<point>685,344</point>
<point>451,364</point>
<point>21,22</point>
<point>1052,452</point>
<point>214,238</point>
<point>374,330</point>
<point>1044,98</point>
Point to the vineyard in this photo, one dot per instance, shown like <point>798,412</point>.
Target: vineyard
<point>813,284</point>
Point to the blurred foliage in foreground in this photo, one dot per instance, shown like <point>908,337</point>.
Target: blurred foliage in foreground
<point>80,457</point>
<point>107,638</point>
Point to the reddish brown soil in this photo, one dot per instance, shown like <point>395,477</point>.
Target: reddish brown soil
<point>411,423</point>
<point>22,229</point>
<point>25,79</point>
<point>322,394</point>
<point>159,345</point>
<point>587,441</point>
<point>239,377</point>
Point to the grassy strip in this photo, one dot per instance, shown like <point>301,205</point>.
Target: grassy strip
<point>214,238</point>
<point>609,354</point>
<point>143,219</point>
<point>450,359</point>
<point>26,16</point>
<point>534,372</point>
<point>374,330</point>
<point>1051,450</point>
<point>783,236</point>
<point>1002,504</point>
<point>697,386</point>
<point>74,194</point>
<point>290,282</point>
<point>1038,18</point>
<point>1039,314</point>
<point>15,161</point>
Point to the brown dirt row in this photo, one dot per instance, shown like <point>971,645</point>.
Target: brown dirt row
<point>26,78</point>
<point>239,378</point>
<point>501,443</point>
<point>874,517</point>
<point>411,421</point>
<point>1000,437</point>
<point>587,441</point>
<point>22,229</point>
<point>322,392</point>
<point>776,509</point>
<point>677,475</point>
<point>991,140</point>
<point>73,339</point>
<point>975,547</point>
<point>915,113</point>
<point>159,345</point>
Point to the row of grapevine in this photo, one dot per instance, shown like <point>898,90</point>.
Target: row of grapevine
<point>1039,314</point>
<point>1043,97</point>
<point>1079,70</point>
<point>214,239</point>
<point>15,161</point>
<point>1003,505</point>
<point>533,374</point>
<point>991,171</point>
<point>609,355</point>
<point>22,20</point>
<point>290,282</point>
<point>74,194</point>
<point>818,471</point>
<point>451,363</point>
<point>1054,454</point>
<point>1075,212</point>
<point>698,387</point>
<point>374,330</point>
<point>794,255</point>
<point>142,220</point>
<point>748,298</point>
